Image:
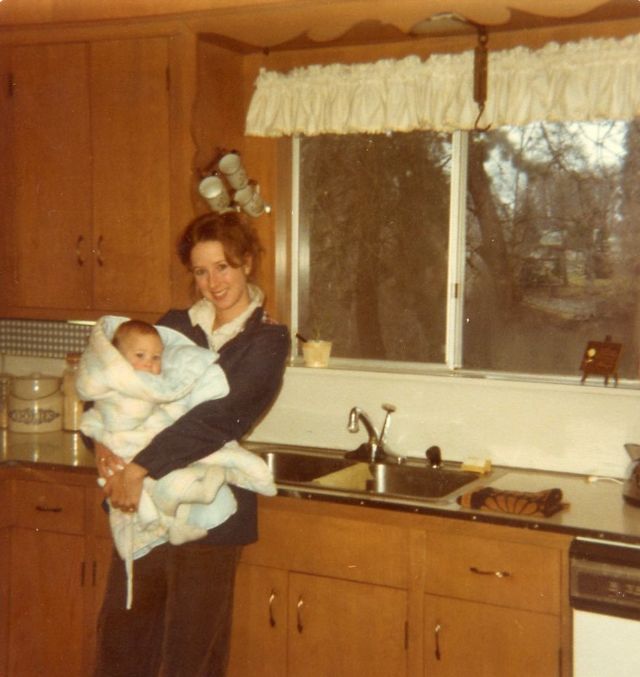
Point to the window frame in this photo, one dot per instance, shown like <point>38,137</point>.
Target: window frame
<point>454,330</point>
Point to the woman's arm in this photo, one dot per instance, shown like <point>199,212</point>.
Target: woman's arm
<point>254,365</point>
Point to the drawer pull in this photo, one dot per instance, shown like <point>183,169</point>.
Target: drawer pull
<point>497,574</point>
<point>436,632</point>
<point>42,508</point>
<point>98,251</point>
<point>299,608</point>
<point>272,618</point>
<point>79,257</point>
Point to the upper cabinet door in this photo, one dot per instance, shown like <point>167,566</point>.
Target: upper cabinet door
<point>51,222</point>
<point>130,113</point>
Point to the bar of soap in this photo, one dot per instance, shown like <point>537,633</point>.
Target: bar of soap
<point>479,465</point>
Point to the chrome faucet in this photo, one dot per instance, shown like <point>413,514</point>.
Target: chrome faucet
<point>374,450</point>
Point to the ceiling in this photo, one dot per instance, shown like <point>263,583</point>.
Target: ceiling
<point>280,24</point>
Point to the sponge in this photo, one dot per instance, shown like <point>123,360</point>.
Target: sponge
<point>479,465</point>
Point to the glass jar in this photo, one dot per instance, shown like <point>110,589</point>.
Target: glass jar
<point>73,405</point>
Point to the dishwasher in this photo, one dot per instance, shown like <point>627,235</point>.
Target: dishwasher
<point>605,599</point>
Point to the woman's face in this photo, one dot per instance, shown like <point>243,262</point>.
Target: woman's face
<point>218,281</point>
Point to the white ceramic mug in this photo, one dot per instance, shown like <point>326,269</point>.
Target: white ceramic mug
<point>250,200</point>
<point>213,190</point>
<point>234,172</point>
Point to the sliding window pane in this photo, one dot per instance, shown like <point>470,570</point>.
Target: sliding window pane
<point>552,237</point>
<point>374,244</point>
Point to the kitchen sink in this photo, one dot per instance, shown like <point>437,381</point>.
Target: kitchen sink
<point>331,472</point>
<point>295,467</point>
<point>418,482</point>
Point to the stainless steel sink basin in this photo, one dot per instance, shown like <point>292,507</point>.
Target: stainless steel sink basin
<point>300,467</point>
<point>327,471</point>
<point>418,482</point>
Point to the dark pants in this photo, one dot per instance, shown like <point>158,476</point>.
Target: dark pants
<point>180,621</point>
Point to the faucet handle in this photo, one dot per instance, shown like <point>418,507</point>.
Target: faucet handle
<point>434,456</point>
<point>389,408</point>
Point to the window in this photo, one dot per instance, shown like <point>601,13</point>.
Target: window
<point>505,250</point>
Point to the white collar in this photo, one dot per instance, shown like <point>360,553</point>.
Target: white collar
<point>203,314</point>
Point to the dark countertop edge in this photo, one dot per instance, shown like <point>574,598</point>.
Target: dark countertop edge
<point>47,465</point>
<point>463,514</point>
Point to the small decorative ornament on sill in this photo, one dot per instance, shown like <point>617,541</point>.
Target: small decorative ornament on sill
<point>601,359</point>
<point>227,174</point>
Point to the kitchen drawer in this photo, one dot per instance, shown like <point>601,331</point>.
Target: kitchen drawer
<point>499,572</point>
<point>51,507</point>
<point>331,546</point>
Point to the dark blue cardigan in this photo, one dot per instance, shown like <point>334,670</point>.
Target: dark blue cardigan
<point>253,362</point>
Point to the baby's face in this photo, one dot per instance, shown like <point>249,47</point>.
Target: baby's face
<point>143,352</point>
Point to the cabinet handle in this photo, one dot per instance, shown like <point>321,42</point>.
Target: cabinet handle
<point>299,608</point>
<point>99,257</point>
<point>436,632</point>
<point>42,508</point>
<point>94,573</point>
<point>497,574</point>
<point>79,257</point>
<point>82,573</point>
<point>272,618</point>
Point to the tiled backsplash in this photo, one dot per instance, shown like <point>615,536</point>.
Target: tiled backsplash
<point>42,338</point>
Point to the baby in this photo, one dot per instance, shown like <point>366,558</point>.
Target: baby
<point>140,344</point>
<point>141,379</point>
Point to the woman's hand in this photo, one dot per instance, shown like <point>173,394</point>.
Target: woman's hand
<point>107,463</point>
<point>123,488</point>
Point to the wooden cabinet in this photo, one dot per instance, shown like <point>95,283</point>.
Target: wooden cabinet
<point>50,117</point>
<point>55,579</point>
<point>485,640</point>
<point>328,589</point>
<point>260,623</point>
<point>321,594</point>
<point>5,563</point>
<point>493,607</point>
<point>345,628</point>
<point>335,590</point>
<point>91,152</point>
<point>46,586</point>
<point>311,626</point>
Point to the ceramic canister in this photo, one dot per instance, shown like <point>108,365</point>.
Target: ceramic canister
<point>35,404</point>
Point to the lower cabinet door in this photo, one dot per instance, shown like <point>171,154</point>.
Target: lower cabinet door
<point>47,604</point>
<point>96,585</point>
<point>470,638</point>
<point>5,562</point>
<point>259,635</point>
<point>339,627</point>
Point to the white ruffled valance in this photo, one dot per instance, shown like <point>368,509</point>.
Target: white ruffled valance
<point>586,80</point>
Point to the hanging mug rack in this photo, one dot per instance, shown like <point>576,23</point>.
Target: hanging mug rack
<point>226,186</point>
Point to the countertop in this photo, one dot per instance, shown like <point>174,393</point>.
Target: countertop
<point>595,509</point>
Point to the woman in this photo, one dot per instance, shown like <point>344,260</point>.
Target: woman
<point>181,617</point>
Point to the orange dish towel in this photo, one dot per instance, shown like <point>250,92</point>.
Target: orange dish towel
<point>526,503</point>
